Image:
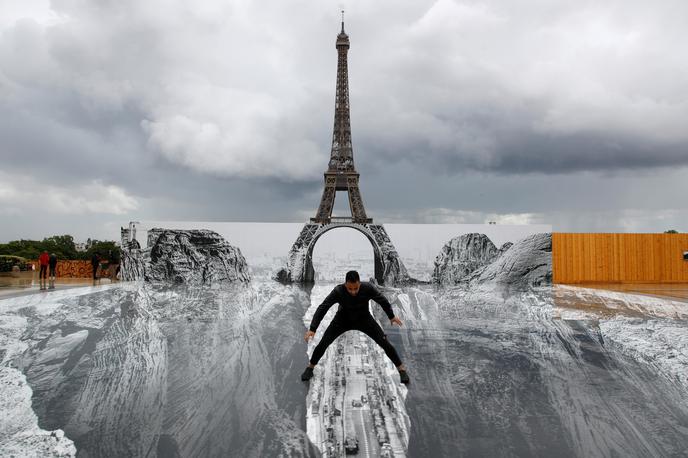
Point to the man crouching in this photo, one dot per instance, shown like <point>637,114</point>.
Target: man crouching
<point>353,314</point>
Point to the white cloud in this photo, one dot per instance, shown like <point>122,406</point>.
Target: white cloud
<point>132,92</point>
<point>22,195</point>
<point>475,75</point>
<point>236,147</point>
<point>39,10</point>
<point>246,89</point>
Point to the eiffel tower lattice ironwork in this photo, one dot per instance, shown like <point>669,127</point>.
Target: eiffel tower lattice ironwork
<point>341,175</point>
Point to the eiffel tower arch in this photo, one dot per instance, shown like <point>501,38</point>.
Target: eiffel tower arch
<point>389,269</point>
<point>341,175</point>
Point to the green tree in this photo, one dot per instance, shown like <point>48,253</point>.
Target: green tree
<point>671,231</point>
<point>62,245</point>
<point>107,250</point>
<point>29,249</point>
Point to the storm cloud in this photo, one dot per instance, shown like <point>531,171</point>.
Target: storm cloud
<point>462,111</point>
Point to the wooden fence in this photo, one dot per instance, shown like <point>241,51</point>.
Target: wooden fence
<point>619,258</point>
<point>79,269</point>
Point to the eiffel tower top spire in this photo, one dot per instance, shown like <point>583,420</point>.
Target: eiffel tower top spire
<point>342,155</point>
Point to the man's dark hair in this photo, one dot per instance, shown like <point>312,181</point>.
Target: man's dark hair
<point>352,277</point>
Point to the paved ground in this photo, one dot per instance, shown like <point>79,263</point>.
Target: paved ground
<point>676,292</point>
<point>28,284</point>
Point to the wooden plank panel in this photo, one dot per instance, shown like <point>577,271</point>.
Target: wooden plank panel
<point>591,253</point>
<point>664,251</point>
<point>556,266</point>
<point>630,258</point>
<point>620,256</point>
<point>638,258</point>
<point>641,259</point>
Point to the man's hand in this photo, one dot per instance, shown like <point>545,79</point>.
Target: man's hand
<point>309,335</point>
<point>396,321</point>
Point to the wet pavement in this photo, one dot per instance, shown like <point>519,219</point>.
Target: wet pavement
<point>671,291</point>
<point>23,283</point>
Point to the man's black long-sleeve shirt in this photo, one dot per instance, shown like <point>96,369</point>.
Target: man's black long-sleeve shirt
<point>351,307</point>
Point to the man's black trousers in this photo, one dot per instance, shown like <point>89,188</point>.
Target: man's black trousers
<point>366,324</point>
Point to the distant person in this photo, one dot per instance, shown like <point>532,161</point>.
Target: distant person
<point>52,262</point>
<point>115,263</point>
<point>95,262</point>
<point>353,314</point>
<point>43,261</point>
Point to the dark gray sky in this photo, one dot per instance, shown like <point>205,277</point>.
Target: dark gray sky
<point>517,111</point>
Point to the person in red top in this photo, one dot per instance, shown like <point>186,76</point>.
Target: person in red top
<point>43,260</point>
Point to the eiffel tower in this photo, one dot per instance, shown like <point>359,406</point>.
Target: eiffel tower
<point>341,175</point>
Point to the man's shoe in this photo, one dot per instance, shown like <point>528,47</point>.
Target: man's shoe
<point>307,374</point>
<point>404,377</point>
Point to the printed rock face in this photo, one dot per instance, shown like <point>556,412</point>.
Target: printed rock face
<point>527,263</point>
<point>474,259</point>
<point>192,257</point>
<point>461,256</point>
<point>158,370</point>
